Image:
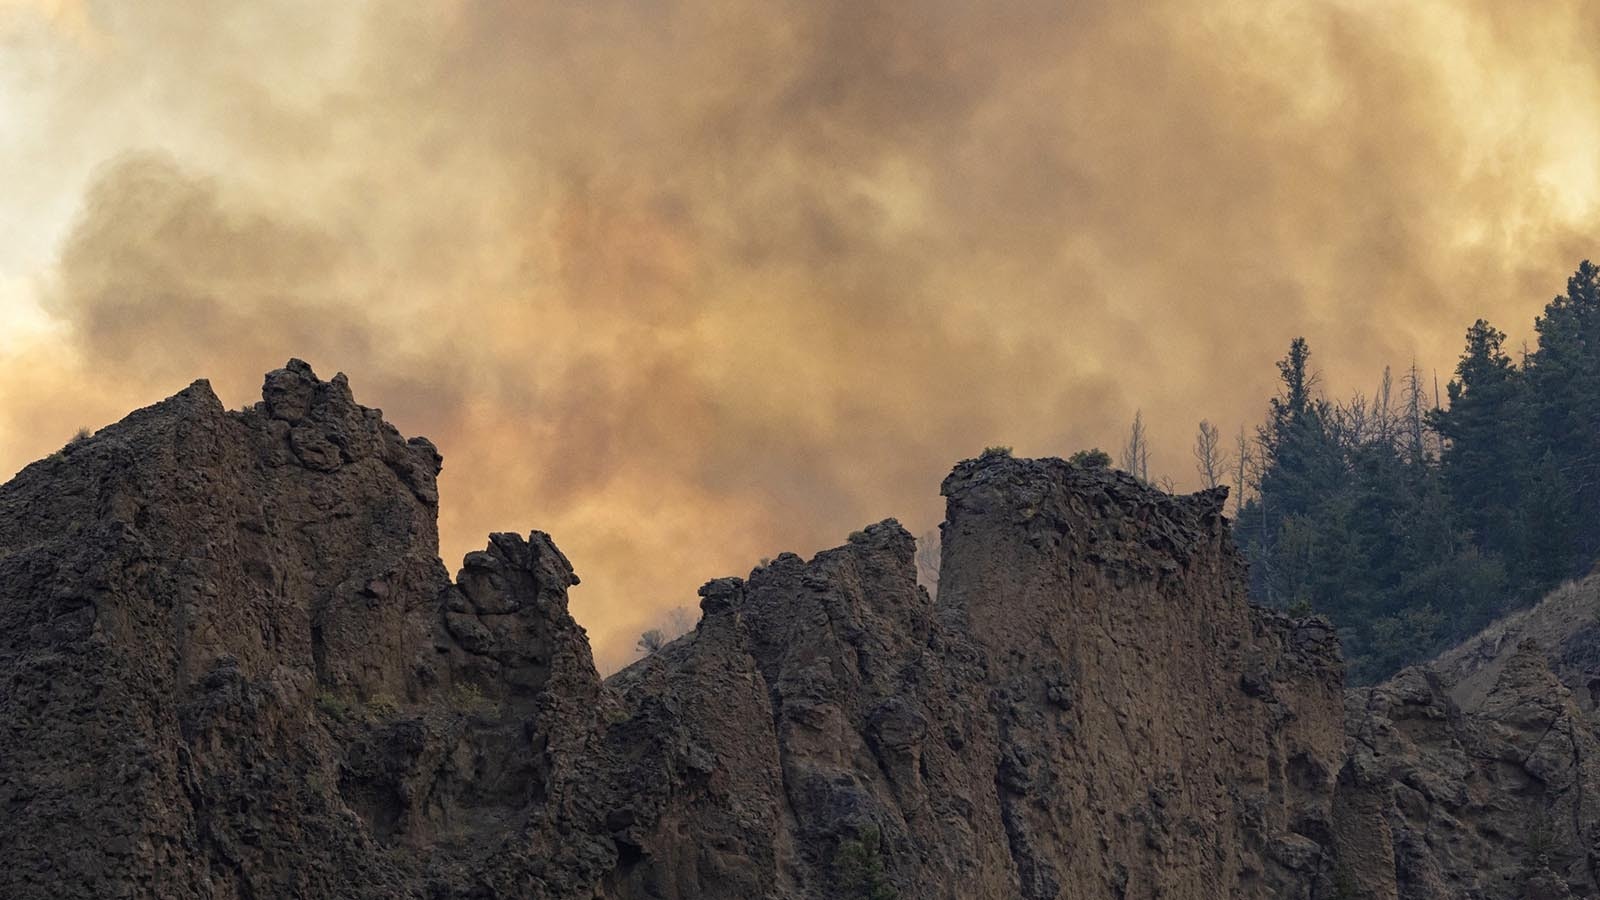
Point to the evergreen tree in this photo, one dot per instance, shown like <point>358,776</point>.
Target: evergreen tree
<point>1563,377</point>
<point>1301,464</point>
<point>1410,525</point>
<point>1483,453</point>
<point>1299,469</point>
<point>1545,516</point>
<point>1353,520</point>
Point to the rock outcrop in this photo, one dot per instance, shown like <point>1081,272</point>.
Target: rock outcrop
<point>1091,710</point>
<point>232,666</point>
<point>1478,775</point>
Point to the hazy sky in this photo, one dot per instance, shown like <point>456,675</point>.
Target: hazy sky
<point>689,284</point>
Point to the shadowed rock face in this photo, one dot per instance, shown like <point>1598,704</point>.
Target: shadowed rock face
<point>232,666</point>
<point>1500,799</point>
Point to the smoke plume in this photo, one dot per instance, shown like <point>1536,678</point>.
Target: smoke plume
<point>688,284</point>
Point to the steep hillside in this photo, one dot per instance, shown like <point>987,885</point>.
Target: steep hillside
<point>1565,625</point>
<point>1485,763</point>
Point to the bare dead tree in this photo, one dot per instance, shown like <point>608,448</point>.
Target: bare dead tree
<point>1210,460</point>
<point>1383,424</point>
<point>680,620</point>
<point>1241,472</point>
<point>1416,404</point>
<point>1136,451</point>
<point>1351,423</point>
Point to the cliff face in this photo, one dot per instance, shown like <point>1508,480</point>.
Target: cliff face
<point>176,592</point>
<point>234,667</point>
<point>1091,709</point>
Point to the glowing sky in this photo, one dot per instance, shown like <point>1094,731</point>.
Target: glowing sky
<point>688,284</point>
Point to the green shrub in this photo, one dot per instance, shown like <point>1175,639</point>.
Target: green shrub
<point>333,705</point>
<point>997,450</point>
<point>859,863</point>
<point>1091,459</point>
<point>383,706</point>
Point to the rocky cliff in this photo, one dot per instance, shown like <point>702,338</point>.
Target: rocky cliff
<point>233,667</point>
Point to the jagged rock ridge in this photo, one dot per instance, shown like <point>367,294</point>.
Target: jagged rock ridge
<point>234,667</point>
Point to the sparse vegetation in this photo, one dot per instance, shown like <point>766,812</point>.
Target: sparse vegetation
<point>997,450</point>
<point>676,623</point>
<point>383,706</point>
<point>78,437</point>
<point>1344,884</point>
<point>378,707</point>
<point>651,641</point>
<point>859,863</point>
<point>467,698</point>
<point>1093,458</point>
<point>1541,840</point>
<point>332,704</point>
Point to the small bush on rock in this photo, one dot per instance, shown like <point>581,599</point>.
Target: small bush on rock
<point>859,862</point>
<point>1091,459</point>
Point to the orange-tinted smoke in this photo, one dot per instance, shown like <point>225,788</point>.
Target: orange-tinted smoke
<point>688,284</point>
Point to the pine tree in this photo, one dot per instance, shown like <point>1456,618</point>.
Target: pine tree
<point>1545,514</point>
<point>1300,463</point>
<point>1563,377</point>
<point>1299,470</point>
<point>1352,519</point>
<point>1483,433</point>
<point>1412,522</point>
